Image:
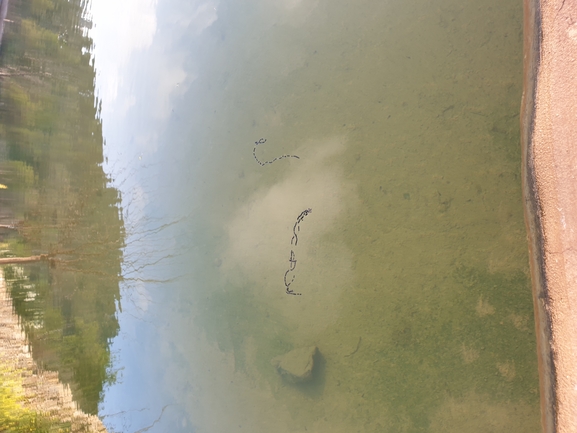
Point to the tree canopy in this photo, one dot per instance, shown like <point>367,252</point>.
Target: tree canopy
<point>57,196</point>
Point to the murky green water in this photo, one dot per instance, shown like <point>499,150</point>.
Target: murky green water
<point>412,264</point>
<point>391,236</point>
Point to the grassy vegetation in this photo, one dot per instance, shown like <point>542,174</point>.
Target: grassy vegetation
<point>14,417</point>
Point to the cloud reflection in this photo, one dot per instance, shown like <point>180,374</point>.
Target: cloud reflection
<point>120,29</point>
<point>261,230</point>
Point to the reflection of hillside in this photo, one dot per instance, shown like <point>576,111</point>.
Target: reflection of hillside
<point>57,196</point>
<point>42,391</point>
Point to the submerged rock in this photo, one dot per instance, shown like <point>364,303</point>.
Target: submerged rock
<point>297,365</point>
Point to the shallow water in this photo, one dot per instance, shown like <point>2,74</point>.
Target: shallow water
<point>390,235</point>
<point>410,269</point>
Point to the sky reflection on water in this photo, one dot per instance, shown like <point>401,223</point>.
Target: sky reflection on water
<point>403,118</point>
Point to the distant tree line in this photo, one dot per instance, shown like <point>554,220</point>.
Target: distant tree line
<point>56,203</point>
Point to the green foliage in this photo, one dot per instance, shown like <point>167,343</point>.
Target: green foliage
<point>14,418</point>
<point>22,107</point>
<point>60,196</point>
<point>40,8</point>
<point>39,39</point>
<point>22,176</point>
<point>69,334</point>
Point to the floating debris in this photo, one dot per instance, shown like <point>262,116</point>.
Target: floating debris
<point>292,259</point>
<point>262,141</point>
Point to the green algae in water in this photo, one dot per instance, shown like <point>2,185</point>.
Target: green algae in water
<point>413,267</point>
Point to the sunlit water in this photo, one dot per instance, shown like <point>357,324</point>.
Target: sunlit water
<point>409,267</point>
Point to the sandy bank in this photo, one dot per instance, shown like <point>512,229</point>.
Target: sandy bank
<point>549,137</point>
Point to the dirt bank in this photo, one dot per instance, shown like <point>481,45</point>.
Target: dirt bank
<point>549,136</point>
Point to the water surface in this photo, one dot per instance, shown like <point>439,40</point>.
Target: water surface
<point>390,235</point>
<point>411,267</point>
